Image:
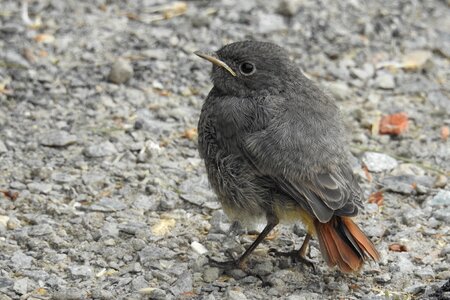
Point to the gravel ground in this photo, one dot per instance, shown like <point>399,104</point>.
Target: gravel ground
<point>103,194</point>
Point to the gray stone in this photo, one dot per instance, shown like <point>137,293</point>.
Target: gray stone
<point>108,205</point>
<point>440,100</point>
<point>407,169</point>
<point>410,217</point>
<point>442,215</point>
<point>38,187</point>
<point>219,222</point>
<point>110,229</point>
<point>210,274</point>
<point>156,293</point>
<point>385,81</point>
<point>4,221</point>
<point>81,271</point>
<point>441,181</point>
<point>196,190</point>
<point>376,230</point>
<point>341,287</point>
<point>183,284</point>
<point>150,150</point>
<point>426,273</point>
<point>102,294</point>
<point>405,265</point>
<point>339,89</point>
<point>21,260</point>
<point>13,60</point>
<point>16,185</point>
<point>305,296</point>
<point>100,150</point>
<point>398,184</point>
<point>57,139</point>
<point>138,244</point>
<point>139,283</point>
<point>235,295</point>
<point>169,200</point>
<point>289,8</point>
<point>378,162</point>
<point>124,281</point>
<point>264,268</point>
<point>5,282</point>
<point>236,273</point>
<point>121,71</point>
<point>3,148</point>
<point>407,184</point>
<point>199,264</point>
<point>198,248</point>
<point>60,177</point>
<point>69,293</point>
<point>40,230</point>
<point>442,198</point>
<point>36,275</point>
<point>364,73</point>
<point>415,289</point>
<point>154,252</point>
<point>21,286</point>
<point>97,179</point>
<point>383,278</point>
<point>445,251</point>
<point>268,23</point>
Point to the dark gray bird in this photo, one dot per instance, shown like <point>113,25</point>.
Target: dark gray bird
<point>274,148</point>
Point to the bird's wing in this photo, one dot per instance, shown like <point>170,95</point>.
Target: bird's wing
<point>303,152</point>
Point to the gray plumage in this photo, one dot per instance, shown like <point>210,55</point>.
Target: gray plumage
<point>274,137</point>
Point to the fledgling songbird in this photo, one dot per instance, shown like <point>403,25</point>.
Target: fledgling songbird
<point>274,147</point>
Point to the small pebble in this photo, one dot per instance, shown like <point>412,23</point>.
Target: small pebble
<point>21,286</point>
<point>57,139</point>
<point>38,187</point>
<point>441,198</point>
<point>289,8</point>
<point>210,274</point>
<point>3,148</point>
<point>121,71</point>
<point>199,248</point>
<point>378,162</point>
<point>100,150</point>
<point>383,278</point>
<point>235,295</point>
<point>385,81</point>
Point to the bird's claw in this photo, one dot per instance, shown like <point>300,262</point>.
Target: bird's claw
<point>295,256</point>
<point>227,265</point>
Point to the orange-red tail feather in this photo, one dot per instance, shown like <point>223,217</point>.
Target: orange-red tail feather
<point>342,243</point>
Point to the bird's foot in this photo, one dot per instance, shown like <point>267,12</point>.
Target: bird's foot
<point>296,257</point>
<point>227,265</point>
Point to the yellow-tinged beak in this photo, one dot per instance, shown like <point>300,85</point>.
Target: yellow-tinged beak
<point>216,61</point>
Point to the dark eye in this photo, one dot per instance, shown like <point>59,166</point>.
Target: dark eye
<point>247,68</point>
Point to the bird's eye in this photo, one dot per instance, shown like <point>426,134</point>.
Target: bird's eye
<point>247,68</point>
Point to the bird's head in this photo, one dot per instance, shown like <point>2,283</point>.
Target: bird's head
<point>243,68</point>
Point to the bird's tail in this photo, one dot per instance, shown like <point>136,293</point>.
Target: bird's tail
<point>342,243</point>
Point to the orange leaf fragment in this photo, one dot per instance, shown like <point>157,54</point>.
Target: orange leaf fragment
<point>190,134</point>
<point>367,173</point>
<point>394,124</point>
<point>44,38</point>
<point>10,194</point>
<point>396,247</point>
<point>445,132</point>
<point>377,198</point>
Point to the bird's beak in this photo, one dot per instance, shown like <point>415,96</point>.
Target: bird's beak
<point>215,60</point>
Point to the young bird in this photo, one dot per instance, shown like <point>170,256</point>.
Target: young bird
<point>274,147</point>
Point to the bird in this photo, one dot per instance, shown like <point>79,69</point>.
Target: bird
<point>275,151</point>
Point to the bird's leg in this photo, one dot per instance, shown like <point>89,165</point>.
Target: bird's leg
<point>240,262</point>
<point>298,255</point>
